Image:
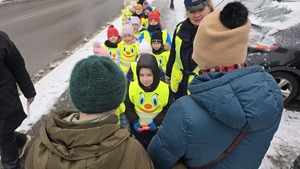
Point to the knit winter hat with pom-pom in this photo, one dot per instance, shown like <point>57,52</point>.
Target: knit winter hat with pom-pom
<point>127,28</point>
<point>111,30</point>
<point>154,15</point>
<point>97,85</point>
<point>222,37</point>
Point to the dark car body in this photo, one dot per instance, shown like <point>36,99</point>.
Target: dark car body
<point>283,64</point>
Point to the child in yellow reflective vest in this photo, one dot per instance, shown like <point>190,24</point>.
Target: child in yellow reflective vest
<point>111,44</point>
<point>144,18</point>
<point>127,48</point>
<point>126,13</point>
<point>155,24</point>
<point>136,24</point>
<point>147,100</point>
<point>144,48</point>
<point>138,10</point>
<point>158,49</point>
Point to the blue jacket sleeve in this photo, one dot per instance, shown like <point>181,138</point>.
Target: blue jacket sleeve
<point>169,144</point>
<point>141,37</point>
<point>169,41</point>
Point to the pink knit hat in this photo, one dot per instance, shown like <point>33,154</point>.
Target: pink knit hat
<point>127,28</point>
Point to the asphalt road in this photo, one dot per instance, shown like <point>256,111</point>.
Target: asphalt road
<point>44,29</point>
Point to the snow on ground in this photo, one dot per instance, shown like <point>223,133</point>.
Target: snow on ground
<point>284,147</point>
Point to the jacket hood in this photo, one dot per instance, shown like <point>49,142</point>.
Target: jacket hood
<point>244,98</point>
<point>149,61</point>
<point>80,141</point>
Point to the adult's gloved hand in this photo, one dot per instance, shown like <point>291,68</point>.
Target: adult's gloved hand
<point>136,126</point>
<point>152,126</point>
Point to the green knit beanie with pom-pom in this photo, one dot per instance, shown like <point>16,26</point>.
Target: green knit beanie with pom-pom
<point>97,85</point>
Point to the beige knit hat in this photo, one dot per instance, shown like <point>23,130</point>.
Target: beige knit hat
<point>218,45</point>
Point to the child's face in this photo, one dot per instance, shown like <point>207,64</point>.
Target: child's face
<point>146,76</point>
<point>153,22</point>
<point>138,11</point>
<point>146,12</point>
<point>135,27</point>
<point>113,39</point>
<point>156,45</point>
<point>128,39</point>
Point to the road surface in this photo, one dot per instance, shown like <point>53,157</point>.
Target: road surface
<point>44,30</point>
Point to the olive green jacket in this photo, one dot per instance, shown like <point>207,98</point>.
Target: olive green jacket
<point>103,144</point>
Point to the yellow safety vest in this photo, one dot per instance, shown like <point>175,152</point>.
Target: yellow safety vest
<point>126,15</point>
<point>162,59</point>
<point>112,52</point>
<point>133,69</point>
<point>128,54</point>
<point>148,37</point>
<point>177,69</point>
<point>137,35</point>
<point>148,105</point>
<point>120,110</point>
<point>144,23</point>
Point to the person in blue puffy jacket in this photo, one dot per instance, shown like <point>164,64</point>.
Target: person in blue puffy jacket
<point>230,102</point>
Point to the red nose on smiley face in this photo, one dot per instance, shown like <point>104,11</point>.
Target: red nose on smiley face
<point>148,106</point>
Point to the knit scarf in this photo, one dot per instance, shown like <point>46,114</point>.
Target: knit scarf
<point>152,28</point>
<point>110,45</point>
<point>223,68</point>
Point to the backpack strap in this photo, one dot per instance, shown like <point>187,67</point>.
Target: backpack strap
<point>237,140</point>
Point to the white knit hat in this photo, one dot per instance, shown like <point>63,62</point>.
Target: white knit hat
<point>136,20</point>
<point>144,47</point>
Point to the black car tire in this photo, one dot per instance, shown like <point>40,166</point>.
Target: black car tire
<point>286,82</point>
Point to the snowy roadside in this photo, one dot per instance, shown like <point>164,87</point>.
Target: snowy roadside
<point>285,145</point>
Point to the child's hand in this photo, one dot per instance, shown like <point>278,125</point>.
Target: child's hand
<point>167,79</point>
<point>136,126</point>
<point>152,126</point>
<point>167,47</point>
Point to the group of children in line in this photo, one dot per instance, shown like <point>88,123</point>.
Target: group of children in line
<point>141,51</point>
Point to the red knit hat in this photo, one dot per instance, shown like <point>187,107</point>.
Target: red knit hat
<point>154,15</point>
<point>112,31</point>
